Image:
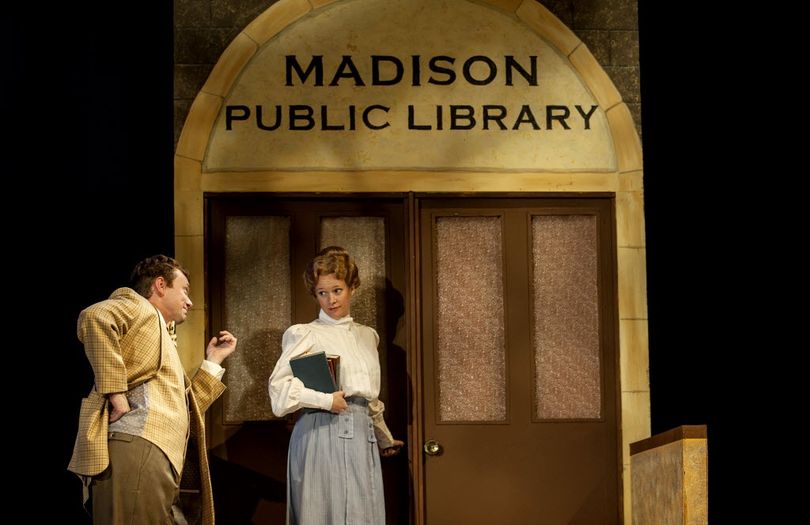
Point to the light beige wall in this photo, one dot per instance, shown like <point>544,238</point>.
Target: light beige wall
<point>608,159</point>
<point>416,116</point>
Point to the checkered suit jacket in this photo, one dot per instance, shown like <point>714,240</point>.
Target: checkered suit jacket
<point>126,342</point>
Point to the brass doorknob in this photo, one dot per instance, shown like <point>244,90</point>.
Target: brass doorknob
<point>432,447</point>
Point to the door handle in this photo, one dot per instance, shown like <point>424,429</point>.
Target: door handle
<point>432,447</point>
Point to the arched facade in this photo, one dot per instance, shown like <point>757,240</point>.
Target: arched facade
<point>207,160</point>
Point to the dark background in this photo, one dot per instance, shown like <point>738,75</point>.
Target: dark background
<point>87,107</point>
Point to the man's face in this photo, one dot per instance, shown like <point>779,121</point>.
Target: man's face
<point>175,301</point>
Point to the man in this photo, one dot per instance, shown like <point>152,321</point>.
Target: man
<point>134,425</point>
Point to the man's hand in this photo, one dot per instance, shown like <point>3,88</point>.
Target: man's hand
<point>119,406</point>
<point>220,347</point>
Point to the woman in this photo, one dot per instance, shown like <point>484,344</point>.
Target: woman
<point>333,463</point>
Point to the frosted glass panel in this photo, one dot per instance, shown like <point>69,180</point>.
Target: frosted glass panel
<point>470,347</point>
<point>364,238</point>
<point>566,317</point>
<point>257,309</point>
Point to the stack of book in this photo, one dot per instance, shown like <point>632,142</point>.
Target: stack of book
<point>318,371</point>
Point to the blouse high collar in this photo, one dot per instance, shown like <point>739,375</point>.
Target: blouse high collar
<point>323,316</point>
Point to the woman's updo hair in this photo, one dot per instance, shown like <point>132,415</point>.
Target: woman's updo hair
<point>332,260</point>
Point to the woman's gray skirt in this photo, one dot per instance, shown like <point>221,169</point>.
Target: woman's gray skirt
<point>333,469</point>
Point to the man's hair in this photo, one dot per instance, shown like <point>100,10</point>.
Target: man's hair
<point>332,260</point>
<point>149,269</point>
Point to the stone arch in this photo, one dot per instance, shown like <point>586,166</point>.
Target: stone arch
<point>624,182</point>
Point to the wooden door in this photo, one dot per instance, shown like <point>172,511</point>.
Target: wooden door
<point>257,247</point>
<point>519,361</point>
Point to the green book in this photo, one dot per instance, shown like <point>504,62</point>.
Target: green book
<point>315,372</point>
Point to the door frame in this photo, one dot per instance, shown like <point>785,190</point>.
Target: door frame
<point>413,203</point>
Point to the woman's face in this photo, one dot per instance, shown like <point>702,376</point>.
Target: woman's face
<point>333,295</point>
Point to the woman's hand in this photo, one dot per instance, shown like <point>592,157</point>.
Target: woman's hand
<point>393,450</point>
<point>338,402</point>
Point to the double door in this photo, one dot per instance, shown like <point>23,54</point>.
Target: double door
<point>497,344</point>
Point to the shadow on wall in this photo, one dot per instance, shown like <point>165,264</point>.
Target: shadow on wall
<point>399,504</point>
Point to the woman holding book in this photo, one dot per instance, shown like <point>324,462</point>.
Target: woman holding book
<point>333,463</point>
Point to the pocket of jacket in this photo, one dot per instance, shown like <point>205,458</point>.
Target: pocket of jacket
<point>90,455</point>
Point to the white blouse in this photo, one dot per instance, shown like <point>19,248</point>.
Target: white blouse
<point>359,372</point>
